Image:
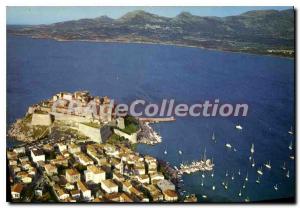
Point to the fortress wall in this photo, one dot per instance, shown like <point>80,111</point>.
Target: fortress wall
<point>69,118</point>
<point>131,137</point>
<point>91,132</point>
<point>41,119</point>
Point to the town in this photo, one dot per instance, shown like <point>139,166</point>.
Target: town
<point>84,158</point>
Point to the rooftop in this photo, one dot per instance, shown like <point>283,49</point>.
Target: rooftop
<point>72,172</point>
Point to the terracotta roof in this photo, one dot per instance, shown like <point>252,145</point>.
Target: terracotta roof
<point>95,169</point>
<point>17,188</point>
<point>72,172</point>
<point>81,186</point>
<point>170,193</point>
<point>109,183</point>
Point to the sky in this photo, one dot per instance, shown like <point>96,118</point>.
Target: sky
<point>47,15</point>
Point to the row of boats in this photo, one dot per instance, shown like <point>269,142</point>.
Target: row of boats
<point>259,171</point>
<point>203,164</point>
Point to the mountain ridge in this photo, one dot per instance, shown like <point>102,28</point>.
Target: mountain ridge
<point>257,31</point>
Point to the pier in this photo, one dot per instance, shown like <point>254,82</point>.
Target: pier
<point>156,119</point>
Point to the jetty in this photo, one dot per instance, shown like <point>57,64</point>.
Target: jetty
<point>195,166</point>
<point>156,119</point>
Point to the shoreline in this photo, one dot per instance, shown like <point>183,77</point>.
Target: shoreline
<point>153,43</point>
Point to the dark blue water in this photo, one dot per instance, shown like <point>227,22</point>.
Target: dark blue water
<point>36,69</point>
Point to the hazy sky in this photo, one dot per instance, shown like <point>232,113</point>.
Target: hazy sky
<point>47,15</point>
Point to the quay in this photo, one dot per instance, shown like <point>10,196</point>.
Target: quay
<point>195,166</point>
<point>156,119</point>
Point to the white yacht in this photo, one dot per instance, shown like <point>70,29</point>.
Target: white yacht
<point>213,137</point>
<point>239,172</point>
<point>276,187</point>
<point>180,152</point>
<point>259,171</point>
<point>213,188</point>
<point>288,174</point>
<point>292,157</point>
<point>291,131</point>
<point>291,145</point>
<point>232,177</point>
<point>239,127</point>
<point>252,149</point>
<point>253,163</point>
<point>257,180</point>
<point>165,152</point>
<point>268,165</point>
<point>283,166</point>
<point>240,193</point>
<point>228,145</point>
<point>246,179</point>
<point>226,185</point>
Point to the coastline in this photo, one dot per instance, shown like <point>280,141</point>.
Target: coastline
<point>155,43</point>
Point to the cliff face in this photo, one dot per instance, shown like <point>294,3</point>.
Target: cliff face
<point>253,31</point>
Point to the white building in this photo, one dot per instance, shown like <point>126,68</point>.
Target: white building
<point>61,147</point>
<point>109,186</point>
<point>94,174</point>
<point>85,192</point>
<point>37,155</point>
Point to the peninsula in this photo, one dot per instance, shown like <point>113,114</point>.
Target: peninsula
<point>83,156</point>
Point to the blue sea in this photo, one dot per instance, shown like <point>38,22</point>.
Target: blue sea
<point>39,68</point>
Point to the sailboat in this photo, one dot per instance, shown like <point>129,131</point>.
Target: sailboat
<point>226,174</point>
<point>252,149</point>
<point>228,145</point>
<point>283,166</point>
<point>291,131</point>
<point>291,145</point>
<point>239,127</point>
<point>253,163</point>
<point>202,183</point>
<point>226,185</point>
<point>213,188</point>
<point>276,187</point>
<point>165,152</point>
<point>212,174</point>
<point>239,172</point>
<point>180,152</point>
<point>247,199</point>
<point>250,157</point>
<point>246,179</point>
<point>257,180</point>
<point>259,171</point>
<point>240,193</point>
<point>288,174</point>
<point>268,165</point>
<point>213,137</point>
<point>203,176</point>
<point>244,185</point>
<point>232,177</point>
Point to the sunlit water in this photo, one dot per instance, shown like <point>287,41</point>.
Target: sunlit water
<point>36,69</point>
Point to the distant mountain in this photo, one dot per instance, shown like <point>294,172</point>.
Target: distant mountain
<point>263,31</point>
